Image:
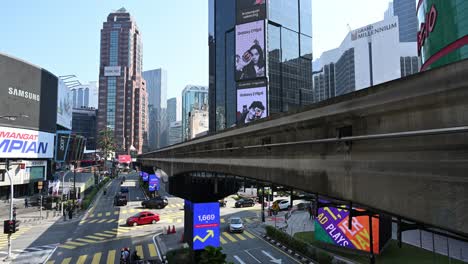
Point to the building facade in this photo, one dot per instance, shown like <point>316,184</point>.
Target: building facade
<point>175,132</point>
<point>198,123</point>
<point>171,110</point>
<point>193,98</point>
<point>367,56</point>
<point>123,105</point>
<point>156,85</point>
<point>405,10</point>
<point>443,33</point>
<point>84,124</point>
<point>85,95</point>
<point>285,77</point>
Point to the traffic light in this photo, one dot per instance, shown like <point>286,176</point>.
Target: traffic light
<point>10,226</point>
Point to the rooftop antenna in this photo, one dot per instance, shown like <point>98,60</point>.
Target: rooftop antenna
<point>349,27</point>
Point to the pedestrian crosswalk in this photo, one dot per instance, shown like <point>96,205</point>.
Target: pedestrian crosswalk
<point>4,237</point>
<point>128,211</point>
<point>145,251</point>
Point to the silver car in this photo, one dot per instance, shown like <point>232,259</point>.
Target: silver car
<point>236,225</point>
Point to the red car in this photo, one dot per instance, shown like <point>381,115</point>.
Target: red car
<point>143,218</point>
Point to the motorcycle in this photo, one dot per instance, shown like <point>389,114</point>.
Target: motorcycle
<point>125,256</point>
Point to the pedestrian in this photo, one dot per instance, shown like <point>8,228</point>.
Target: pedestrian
<point>65,214</point>
<point>70,213</point>
<point>26,205</point>
<point>310,211</point>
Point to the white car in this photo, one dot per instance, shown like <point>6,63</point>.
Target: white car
<point>236,225</point>
<point>283,204</point>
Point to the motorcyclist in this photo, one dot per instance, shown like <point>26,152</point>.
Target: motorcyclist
<point>105,191</point>
<point>125,255</point>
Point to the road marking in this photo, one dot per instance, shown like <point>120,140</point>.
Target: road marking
<point>75,243</point>
<point>239,259</point>
<point>139,250</point>
<point>67,247</point>
<point>93,221</point>
<point>95,237</point>
<point>91,215</point>
<point>107,213</point>
<point>104,235</point>
<point>99,215</point>
<point>111,232</point>
<point>223,241</point>
<point>247,251</point>
<point>229,237</point>
<point>248,220</point>
<point>240,236</point>
<point>132,210</point>
<point>96,258</point>
<point>66,261</point>
<point>223,220</point>
<point>81,259</point>
<point>101,221</point>
<point>50,262</point>
<point>124,211</point>
<point>116,212</point>
<point>179,220</point>
<point>248,234</point>
<point>111,257</point>
<point>152,250</point>
<point>270,245</point>
<point>85,240</point>
<point>111,220</point>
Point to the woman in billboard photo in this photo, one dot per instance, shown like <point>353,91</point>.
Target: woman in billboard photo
<point>255,112</point>
<point>252,63</point>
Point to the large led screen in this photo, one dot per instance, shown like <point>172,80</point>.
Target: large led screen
<point>64,105</point>
<point>250,10</point>
<point>251,103</point>
<point>250,51</point>
<point>331,226</point>
<point>205,225</point>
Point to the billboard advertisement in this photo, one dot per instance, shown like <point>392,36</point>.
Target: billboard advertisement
<point>205,225</point>
<point>250,10</point>
<point>61,145</point>
<point>112,71</point>
<point>250,51</point>
<point>251,102</point>
<point>28,94</point>
<point>331,226</point>
<point>125,159</point>
<point>153,183</point>
<point>144,176</point>
<point>64,105</point>
<point>25,143</point>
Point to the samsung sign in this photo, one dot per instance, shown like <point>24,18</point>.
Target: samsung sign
<point>25,143</point>
<point>112,71</point>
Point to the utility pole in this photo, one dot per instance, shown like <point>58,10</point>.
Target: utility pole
<point>7,168</point>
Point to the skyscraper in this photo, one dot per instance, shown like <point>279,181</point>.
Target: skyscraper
<point>193,98</point>
<point>123,105</point>
<point>405,10</point>
<point>156,85</point>
<point>85,95</point>
<point>238,33</point>
<point>172,110</point>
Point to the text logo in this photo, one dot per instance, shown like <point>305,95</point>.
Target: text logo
<point>427,27</point>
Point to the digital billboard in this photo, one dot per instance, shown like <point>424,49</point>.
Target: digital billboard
<point>61,145</point>
<point>331,226</point>
<point>25,143</point>
<point>64,105</point>
<point>153,184</point>
<point>144,176</point>
<point>205,225</point>
<point>251,102</point>
<point>250,10</point>
<point>28,94</point>
<point>250,51</point>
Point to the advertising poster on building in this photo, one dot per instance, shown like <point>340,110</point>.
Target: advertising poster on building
<point>250,51</point>
<point>25,143</point>
<point>153,183</point>
<point>205,225</point>
<point>250,10</point>
<point>61,145</point>
<point>125,159</point>
<point>144,176</point>
<point>331,226</point>
<point>251,102</point>
<point>28,95</point>
<point>64,105</point>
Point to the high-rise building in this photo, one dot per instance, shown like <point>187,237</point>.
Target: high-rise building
<point>242,31</point>
<point>171,110</point>
<point>193,98</point>
<point>156,85</point>
<point>198,123</point>
<point>85,95</point>
<point>405,10</point>
<point>123,105</point>
<point>175,132</point>
<point>84,124</point>
<point>367,56</point>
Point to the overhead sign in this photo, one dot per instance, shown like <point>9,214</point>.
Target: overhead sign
<point>125,159</point>
<point>64,105</point>
<point>250,10</point>
<point>144,176</point>
<point>112,71</point>
<point>153,183</point>
<point>28,94</point>
<point>205,225</point>
<point>25,143</point>
<point>331,226</point>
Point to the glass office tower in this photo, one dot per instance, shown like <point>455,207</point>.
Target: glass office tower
<point>288,57</point>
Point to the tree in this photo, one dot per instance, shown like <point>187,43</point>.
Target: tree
<point>106,142</point>
<point>212,255</point>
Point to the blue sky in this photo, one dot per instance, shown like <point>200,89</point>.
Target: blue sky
<point>63,36</point>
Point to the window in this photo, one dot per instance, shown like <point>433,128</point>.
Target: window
<point>114,48</point>
<point>285,12</point>
<point>305,9</point>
